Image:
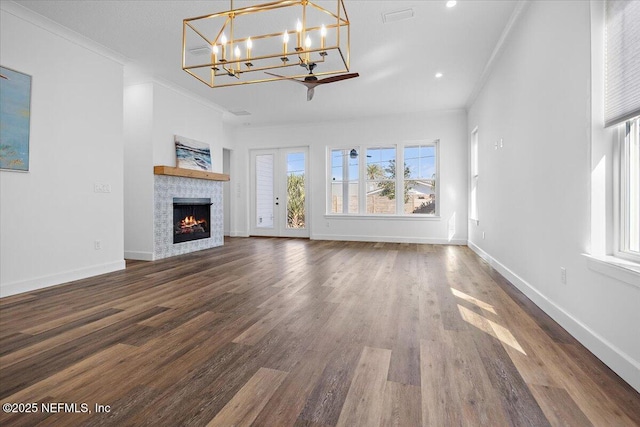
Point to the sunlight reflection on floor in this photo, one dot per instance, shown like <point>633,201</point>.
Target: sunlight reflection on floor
<point>488,326</point>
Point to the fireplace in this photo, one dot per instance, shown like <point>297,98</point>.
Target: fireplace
<point>191,219</point>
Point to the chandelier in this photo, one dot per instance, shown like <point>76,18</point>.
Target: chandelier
<point>240,46</point>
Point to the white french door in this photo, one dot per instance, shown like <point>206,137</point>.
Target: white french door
<point>279,182</point>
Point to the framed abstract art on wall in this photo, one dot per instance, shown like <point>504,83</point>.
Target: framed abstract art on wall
<point>192,154</point>
<point>15,118</point>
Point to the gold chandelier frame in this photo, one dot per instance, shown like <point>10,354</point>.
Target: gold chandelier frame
<point>225,64</point>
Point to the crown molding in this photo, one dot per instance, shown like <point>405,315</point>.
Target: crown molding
<point>517,13</point>
<point>59,30</point>
<point>155,80</point>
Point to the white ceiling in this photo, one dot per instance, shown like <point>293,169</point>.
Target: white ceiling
<point>397,61</point>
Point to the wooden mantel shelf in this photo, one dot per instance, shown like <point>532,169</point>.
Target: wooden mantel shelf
<point>190,173</point>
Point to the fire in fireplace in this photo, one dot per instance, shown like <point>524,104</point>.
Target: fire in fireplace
<point>191,219</point>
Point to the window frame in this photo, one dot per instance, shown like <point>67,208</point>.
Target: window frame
<point>368,181</point>
<point>399,181</point>
<point>621,182</point>
<point>474,175</point>
<point>345,183</point>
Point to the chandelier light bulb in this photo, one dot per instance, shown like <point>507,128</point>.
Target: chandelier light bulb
<point>307,44</point>
<point>249,46</point>
<point>223,42</point>
<point>323,31</point>
<point>214,51</point>
<point>299,31</point>
<point>236,51</point>
<point>285,40</point>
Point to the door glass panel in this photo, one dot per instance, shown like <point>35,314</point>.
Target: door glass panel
<point>295,190</point>
<point>264,191</point>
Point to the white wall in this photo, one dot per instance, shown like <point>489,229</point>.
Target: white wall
<point>448,127</point>
<point>154,113</point>
<point>175,113</point>
<point>50,216</point>
<point>138,167</point>
<point>534,192</point>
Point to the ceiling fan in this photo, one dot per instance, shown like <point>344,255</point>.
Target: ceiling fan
<point>312,81</point>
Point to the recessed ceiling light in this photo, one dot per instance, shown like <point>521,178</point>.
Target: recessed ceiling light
<point>438,75</point>
<point>451,3</point>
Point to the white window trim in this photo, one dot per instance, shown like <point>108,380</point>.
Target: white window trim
<point>474,166</point>
<point>602,258</point>
<point>619,207</point>
<point>328,181</point>
<point>617,268</point>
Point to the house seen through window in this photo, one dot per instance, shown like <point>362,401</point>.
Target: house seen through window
<point>368,180</point>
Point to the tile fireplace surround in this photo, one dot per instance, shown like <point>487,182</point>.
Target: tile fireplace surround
<point>173,182</point>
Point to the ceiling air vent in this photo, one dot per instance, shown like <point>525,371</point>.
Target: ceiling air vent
<point>239,112</point>
<point>398,15</point>
<point>200,50</point>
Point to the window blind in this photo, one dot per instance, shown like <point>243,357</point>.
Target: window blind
<point>622,61</point>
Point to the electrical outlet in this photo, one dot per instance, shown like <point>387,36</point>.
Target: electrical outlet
<point>483,235</point>
<point>101,188</point>
<point>97,245</point>
<point>563,275</point>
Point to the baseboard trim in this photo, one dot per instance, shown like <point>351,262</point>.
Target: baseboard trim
<point>238,234</point>
<point>387,239</point>
<point>59,278</point>
<point>620,362</point>
<point>140,256</point>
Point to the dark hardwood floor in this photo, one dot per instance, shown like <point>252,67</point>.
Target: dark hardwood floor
<point>282,332</point>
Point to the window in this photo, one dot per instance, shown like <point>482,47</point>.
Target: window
<point>622,55</point>
<point>344,182</point>
<point>381,180</point>
<point>622,109</point>
<point>420,179</point>
<point>629,222</point>
<point>373,185</point>
<point>473,197</point>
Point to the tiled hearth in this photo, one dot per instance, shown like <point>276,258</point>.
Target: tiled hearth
<point>167,187</point>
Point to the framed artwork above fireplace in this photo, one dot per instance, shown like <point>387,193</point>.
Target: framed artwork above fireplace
<point>192,154</point>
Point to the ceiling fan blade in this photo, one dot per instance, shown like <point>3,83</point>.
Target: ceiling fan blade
<point>287,78</point>
<point>311,84</point>
<point>337,78</point>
